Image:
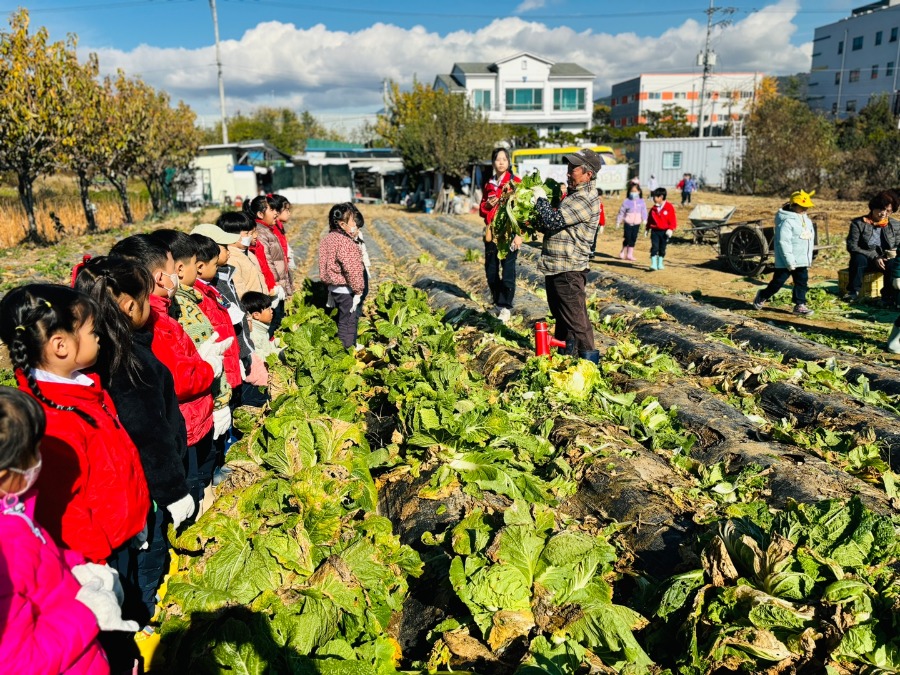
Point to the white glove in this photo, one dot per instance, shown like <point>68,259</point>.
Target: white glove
<point>182,510</point>
<point>279,291</point>
<point>535,196</point>
<point>106,575</point>
<point>225,345</point>
<point>210,352</point>
<point>105,606</point>
<point>221,421</point>
<point>790,268</point>
<point>275,302</point>
<point>291,263</point>
<point>896,284</point>
<point>668,234</point>
<point>356,299</point>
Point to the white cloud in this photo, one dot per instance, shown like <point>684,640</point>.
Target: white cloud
<point>529,5</point>
<point>323,70</point>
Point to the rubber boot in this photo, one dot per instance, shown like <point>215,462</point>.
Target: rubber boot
<point>659,263</point>
<point>629,254</point>
<point>653,263</point>
<point>591,355</point>
<point>893,343</point>
<point>623,253</point>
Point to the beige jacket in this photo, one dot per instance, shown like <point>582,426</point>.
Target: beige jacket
<point>247,274</point>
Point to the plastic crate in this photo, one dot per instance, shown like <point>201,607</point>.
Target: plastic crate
<point>872,283</point>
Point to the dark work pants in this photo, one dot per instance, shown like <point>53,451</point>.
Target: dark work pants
<point>685,198</point>
<point>860,265</point>
<point>631,235</point>
<point>347,319</point>
<point>501,275</point>
<point>151,562</point>
<point>568,306</point>
<point>658,243</point>
<point>801,284</point>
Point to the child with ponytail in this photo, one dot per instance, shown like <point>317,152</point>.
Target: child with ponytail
<point>50,620</point>
<point>341,267</point>
<point>144,393</point>
<point>94,496</point>
<point>271,253</point>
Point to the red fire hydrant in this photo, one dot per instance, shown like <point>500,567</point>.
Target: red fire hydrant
<point>543,341</point>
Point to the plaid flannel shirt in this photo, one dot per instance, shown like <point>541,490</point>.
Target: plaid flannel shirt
<point>199,328</point>
<point>569,230</point>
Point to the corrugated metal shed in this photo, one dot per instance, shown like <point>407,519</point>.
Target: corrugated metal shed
<point>707,159</point>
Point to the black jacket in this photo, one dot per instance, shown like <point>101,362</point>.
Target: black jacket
<point>861,232</point>
<point>225,286</point>
<point>149,413</point>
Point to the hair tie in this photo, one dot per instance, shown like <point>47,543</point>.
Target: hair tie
<point>49,306</point>
<point>20,327</point>
<point>269,195</point>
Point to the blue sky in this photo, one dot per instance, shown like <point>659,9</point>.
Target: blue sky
<point>330,57</point>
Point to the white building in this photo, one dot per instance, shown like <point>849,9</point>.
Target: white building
<point>855,59</point>
<point>224,172</point>
<point>727,98</point>
<point>528,90</point>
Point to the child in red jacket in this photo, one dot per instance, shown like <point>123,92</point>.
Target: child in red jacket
<point>50,620</point>
<point>193,369</point>
<point>94,497</point>
<point>661,223</point>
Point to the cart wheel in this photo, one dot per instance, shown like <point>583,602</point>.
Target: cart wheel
<point>747,251</point>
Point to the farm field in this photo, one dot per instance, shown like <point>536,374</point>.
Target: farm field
<point>720,494</point>
<point>690,507</point>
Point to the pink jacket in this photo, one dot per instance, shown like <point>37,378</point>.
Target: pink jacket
<point>341,262</point>
<point>43,628</point>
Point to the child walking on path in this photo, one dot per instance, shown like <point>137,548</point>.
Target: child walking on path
<point>661,222</point>
<point>633,213</point>
<point>341,267</point>
<point>50,621</point>
<point>794,240</point>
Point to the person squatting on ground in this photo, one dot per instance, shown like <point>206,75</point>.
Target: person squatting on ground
<point>661,223</point>
<point>569,232</point>
<point>53,609</point>
<point>633,213</point>
<point>794,241</point>
<point>501,274</point>
<point>872,244</point>
<point>342,269</point>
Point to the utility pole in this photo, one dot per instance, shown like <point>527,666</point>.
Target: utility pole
<point>708,58</point>
<point>215,18</point>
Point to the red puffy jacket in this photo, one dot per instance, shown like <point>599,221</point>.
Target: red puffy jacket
<point>494,189</point>
<point>193,376</point>
<point>212,308</point>
<point>93,494</point>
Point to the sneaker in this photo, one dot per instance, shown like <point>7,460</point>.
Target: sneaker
<point>850,297</point>
<point>221,474</point>
<point>504,315</point>
<point>802,310</point>
<point>758,301</point>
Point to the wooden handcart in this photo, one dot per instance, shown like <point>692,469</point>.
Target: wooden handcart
<point>747,246</point>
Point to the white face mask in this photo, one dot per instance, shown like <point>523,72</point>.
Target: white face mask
<point>633,195</point>
<point>246,241</point>
<point>31,476</point>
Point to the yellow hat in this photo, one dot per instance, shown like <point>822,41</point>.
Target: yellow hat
<point>801,198</point>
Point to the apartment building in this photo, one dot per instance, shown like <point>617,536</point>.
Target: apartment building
<point>727,98</point>
<point>526,89</point>
<point>855,59</point>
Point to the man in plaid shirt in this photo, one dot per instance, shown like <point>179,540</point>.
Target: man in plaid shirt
<point>569,233</point>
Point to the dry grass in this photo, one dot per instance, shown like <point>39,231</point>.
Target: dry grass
<point>68,209</point>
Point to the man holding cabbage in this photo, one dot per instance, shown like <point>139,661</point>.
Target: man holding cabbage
<point>569,232</point>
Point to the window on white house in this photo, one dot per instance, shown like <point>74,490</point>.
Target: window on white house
<point>481,99</point>
<point>568,99</point>
<point>524,99</point>
<point>671,160</point>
